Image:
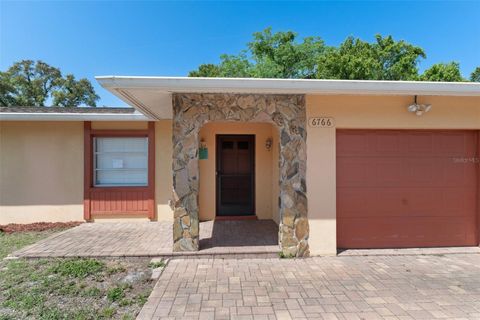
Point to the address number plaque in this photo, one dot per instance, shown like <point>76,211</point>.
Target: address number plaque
<point>321,122</point>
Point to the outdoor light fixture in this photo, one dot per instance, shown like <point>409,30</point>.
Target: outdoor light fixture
<point>419,109</point>
<point>203,144</point>
<point>268,144</point>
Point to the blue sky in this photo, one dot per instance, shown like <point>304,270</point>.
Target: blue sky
<point>172,38</point>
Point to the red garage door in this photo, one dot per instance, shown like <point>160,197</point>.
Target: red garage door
<point>406,188</point>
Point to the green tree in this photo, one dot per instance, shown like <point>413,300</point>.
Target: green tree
<point>280,55</point>
<point>399,59</point>
<point>229,66</point>
<point>28,84</point>
<point>475,76</point>
<point>31,84</point>
<point>385,59</point>
<point>277,55</point>
<point>443,72</point>
<point>206,70</point>
<point>235,66</point>
<point>72,93</point>
<point>353,59</point>
<point>7,90</point>
<point>283,55</point>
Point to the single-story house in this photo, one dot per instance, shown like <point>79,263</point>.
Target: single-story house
<point>335,163</point>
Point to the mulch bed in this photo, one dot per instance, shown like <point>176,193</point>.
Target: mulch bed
<point>38,226</point>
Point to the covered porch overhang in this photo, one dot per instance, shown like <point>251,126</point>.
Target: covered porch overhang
<point>153,95</point>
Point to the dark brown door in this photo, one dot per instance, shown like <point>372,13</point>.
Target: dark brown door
<point>235,175</point>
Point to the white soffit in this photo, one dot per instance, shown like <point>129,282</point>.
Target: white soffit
<point>152,95</point>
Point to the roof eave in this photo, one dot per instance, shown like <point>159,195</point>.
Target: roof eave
<point>22,116</point>
<point>290,86</point>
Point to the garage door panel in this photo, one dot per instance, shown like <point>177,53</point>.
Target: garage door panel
<point>421,202</point>
<point>406,202</point>
<point>397,232</point>
<point>387,144</point>
<point>352,144</point>
<point>354,202</point>
<point>356,172</point>
<point>456,174</point>
<point>458,202</point>
<point>459,174</point>
<point>421,172</point>
<point>371,202</point>
<point>420,143</point>
<point>454,144</point>
<point>387,172</point>
<point>403,172</point>
<point>406,188</point>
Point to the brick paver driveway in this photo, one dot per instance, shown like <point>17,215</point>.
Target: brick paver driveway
<point>348,287</point>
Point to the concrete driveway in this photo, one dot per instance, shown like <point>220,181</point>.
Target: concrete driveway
<point>344,287</point>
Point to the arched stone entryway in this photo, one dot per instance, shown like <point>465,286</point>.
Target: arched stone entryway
<point>191,111</point>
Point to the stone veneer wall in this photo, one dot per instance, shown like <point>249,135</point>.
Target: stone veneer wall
<point>191,111</point>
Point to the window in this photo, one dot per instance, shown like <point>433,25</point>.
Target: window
<point>120,161</point>
<point>227,144</point>
<point>242,145</point>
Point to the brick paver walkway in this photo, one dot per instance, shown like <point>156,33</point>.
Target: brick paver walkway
<point>105,239</point>
<point>345,287</point>
<point>120,239</point>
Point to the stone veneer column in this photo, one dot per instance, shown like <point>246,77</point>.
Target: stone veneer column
<point>191,111</point>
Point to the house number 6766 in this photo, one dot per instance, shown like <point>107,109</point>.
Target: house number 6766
<point>321,122</point>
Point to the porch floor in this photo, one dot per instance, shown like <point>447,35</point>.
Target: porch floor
<point>153,239</point>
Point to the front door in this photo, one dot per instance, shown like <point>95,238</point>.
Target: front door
<point>235,175</point>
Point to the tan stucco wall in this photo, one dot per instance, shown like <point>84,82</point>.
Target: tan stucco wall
<point>163,169</point>
<point>365,112</point>
<point>41,171</point>
<point>275,174</point>
<point>264,168</point>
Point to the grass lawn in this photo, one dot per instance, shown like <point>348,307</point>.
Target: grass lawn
<point>73,288</point>
<point>9,242</point>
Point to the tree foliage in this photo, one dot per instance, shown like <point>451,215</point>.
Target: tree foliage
<point>475,76</point>
<point>72,93</point>
<point>31,84</point>
<point>277,55</point>
<point>443,72</point>
<point>284,55</point>
<point>386,59</point>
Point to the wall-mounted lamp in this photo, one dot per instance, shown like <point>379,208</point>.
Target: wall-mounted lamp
<point>203,144</point>
<point>419,109</point>
<point>269,144</point>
